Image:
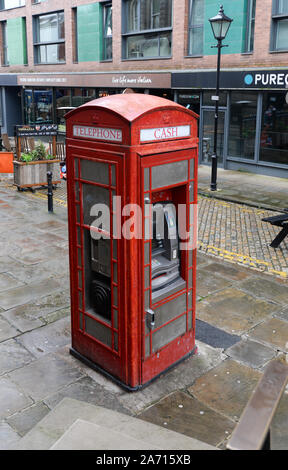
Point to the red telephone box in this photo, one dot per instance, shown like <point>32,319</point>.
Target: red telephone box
<point>132,187</point>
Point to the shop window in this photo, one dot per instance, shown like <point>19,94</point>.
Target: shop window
<point>49,38</point>
<point>4,47</point>
<point>242,126</point>
<point>38,106</point>
<point>8,4</point>
<point>274,128</point>
<point>279,33</point>
<point>147,28</point>
<point>82,95</point>
<point>196,27</point>
<point>107,32</point>
<point>250,26</point>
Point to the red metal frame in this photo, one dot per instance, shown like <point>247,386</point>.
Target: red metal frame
<point>126,363</point>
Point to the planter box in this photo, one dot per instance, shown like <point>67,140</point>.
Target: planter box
<point>6,162</point>
<point>27,175</point>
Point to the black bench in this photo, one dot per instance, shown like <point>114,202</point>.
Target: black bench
<point>280,221</point>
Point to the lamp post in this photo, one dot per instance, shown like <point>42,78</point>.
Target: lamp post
<point>220,25</point>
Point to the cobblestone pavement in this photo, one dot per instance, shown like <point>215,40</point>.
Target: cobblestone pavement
<point>227,230</point>
<point>236,233</point>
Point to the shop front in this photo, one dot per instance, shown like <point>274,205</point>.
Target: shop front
<point>252,120</point>
<point>46,98</point>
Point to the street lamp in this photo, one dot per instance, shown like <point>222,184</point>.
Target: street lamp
<point>220,25</point>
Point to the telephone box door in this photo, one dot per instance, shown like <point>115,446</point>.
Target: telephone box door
<point>169,194</point>
<point>97,325</point>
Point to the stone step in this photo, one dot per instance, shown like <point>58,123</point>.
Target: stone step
<point>110,429</point>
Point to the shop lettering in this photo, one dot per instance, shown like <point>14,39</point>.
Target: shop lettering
<point>98,133</point>
<point>267,79</point>
<point>163,133</point>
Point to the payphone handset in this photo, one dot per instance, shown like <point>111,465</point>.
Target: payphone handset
<point>165,263</point>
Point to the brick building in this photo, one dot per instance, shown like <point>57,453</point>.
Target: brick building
<point>59,55</point>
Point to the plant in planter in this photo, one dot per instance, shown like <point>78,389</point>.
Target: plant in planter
<point>31,170</point>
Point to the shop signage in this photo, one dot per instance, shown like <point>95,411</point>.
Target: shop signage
<point>267,79</point>
<point>102,80</point>
<point>241,79</point>
<point>37,129</point>
<point>163,133</point>
<point>98,133</point>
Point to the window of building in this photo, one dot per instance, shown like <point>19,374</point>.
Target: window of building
<point>279,33</point>
<point>242,126</point>
<point>250,26</point>
<point>196,27</point>
<point>8,4</point>
<point>49,38</point>
<point>107,32</point>
<point>147,28</point>
<point>274,128</point>
<point>4,51</point>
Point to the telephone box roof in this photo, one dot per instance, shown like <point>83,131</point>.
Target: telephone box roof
<point>131,106</point>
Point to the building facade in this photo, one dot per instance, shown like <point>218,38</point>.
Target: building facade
<point>56,56</point>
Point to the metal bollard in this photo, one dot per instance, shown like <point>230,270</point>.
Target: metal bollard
<point>50,191</point>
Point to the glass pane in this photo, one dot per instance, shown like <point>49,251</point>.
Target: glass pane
<point>274,132</point>
<point>148,14</point>
<point>282,34</point>
<point>196,12</point>
<point>82,95</point>
<point>195,46</point>
<point>149,46</point>
<point>242,125</point>
<point>107,49</point>
<point>28,107</point>
<point>63,105</point>
<point>208,135</point>
<point>43,106</point>
<point>282,7</point>
<point>48,28</point>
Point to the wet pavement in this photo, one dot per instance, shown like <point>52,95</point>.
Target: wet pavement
<point>242,324</point>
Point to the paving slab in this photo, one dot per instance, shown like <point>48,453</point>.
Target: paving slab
<point>44,376</point>
<point>47,339</point>
<point>89,391</point>
<point>273,332</point>
<point>8,282</point>
<point>208,284</point>
<point>25,420</point>
<point>8,437</point>
<point>13,356</point>
<point>12,399</point>
<point>33,314</point>
<point>95,437</point>
<point>251,353</point>
<point>21,295</point>
<point>55,424</point>
<point>185,414</point>
<point>178,378</point>
<point>219,388</point>
<point>268,289</point>
<point>7,331</point>
<point>233,310</point>
<point>228,271</point>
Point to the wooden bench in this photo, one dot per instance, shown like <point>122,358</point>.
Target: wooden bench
<point>280,221</point>
<point>253,430</point>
